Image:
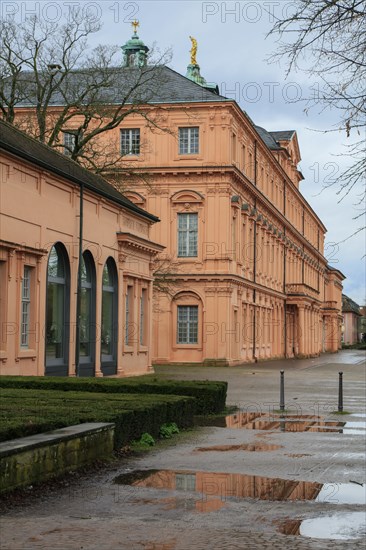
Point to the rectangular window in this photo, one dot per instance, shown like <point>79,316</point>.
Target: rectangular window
<point>3,304</point>
<point>130,141</point>
<point>129,316</point>
<point>25,313</point>
<point>187,235</point>
<point>233,147</point>
<point>143,301</point>
<point>187,329</point>
<point>69,143</point>
<point>188,141</point>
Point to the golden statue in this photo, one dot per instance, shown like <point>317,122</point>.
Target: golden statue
<point>193,51</point>
<point>135,24</point>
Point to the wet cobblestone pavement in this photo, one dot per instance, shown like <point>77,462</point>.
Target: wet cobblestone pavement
<point>199,500</point>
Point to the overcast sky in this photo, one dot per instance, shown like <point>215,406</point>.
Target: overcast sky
<point>232,52</point>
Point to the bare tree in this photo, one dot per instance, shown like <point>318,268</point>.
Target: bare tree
<point>326,38</point>
<point>52,84</point>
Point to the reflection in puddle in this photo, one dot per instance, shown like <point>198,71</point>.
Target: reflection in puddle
<point>351,525</point>
<point>251,447</point>
<point>303,423</point>
<point>244,486</point>
<point>186,504</point>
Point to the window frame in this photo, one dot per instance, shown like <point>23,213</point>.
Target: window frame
<point>188,323</point>
<point>108,362</point>
<point>59,366</point>
<point>187,232</point>
<point>131,152</point>
<point>69,141</point>
<point>192,144</point>
<point>25,307</point>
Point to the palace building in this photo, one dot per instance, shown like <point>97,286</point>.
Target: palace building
<point>55,218</point>
<point>252,282</point>
<point>249,278</point>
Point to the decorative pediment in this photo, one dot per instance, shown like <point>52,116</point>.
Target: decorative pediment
<point>187,196</point>
<point>136,198</point>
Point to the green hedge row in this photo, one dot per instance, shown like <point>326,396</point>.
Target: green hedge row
<point>25,412</point>
<point>210,396</point>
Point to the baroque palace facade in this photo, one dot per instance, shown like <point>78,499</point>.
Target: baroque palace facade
<point>249,280</point>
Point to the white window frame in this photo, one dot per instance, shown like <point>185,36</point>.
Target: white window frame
<point>188,235</point>
<point>25,307</point>
<point>189,142</point>
<point>133,141</point>
<point>69,143</point>
<point>187,329</point>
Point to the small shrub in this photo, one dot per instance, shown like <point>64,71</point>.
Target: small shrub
<point>167,430</point>
<point>147,440</point>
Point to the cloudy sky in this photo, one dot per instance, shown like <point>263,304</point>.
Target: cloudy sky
<point>232,52</point>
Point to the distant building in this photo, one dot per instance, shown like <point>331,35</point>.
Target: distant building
<point>56,217</point>
<point>351,333</point>
<point>363,323</point>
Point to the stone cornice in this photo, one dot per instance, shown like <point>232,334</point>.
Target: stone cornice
<point>228,279</point>
<point>130,241</point>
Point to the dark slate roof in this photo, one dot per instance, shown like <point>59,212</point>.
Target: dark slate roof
<point>267,138</point>
<point>282,135</point>
<point>18,143</point>
<point>159,84</point>
<point>349,306</point>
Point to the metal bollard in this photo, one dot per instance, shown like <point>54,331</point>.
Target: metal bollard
<point>282,390</point>
<point>340,392</point>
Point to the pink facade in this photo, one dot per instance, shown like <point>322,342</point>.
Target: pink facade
<point>250,280</point>
<point>39,257</point>
<point>351,328</point>
<point>256,285</point>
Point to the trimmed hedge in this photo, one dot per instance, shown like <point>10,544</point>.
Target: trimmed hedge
<point>25,412</point>
<point>210,396</point>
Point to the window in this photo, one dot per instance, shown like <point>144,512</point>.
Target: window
<point>187,235</point>
<point>143,301</point>
<point>69,143</point>
<point>129,316</point>
<point>187,330</point>
<point>130,141</point>
<point>233,147</point>
<point>25,321</point>
<point>109,318</point>
<point>3,304</point>
<point>57,332</point>
<point>188,141</point>
<point>87,316</point>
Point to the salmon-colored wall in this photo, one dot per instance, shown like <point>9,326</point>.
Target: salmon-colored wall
<point>260,279</point>
<point>39,209</point>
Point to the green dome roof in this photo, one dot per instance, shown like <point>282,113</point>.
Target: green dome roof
<point>134,42</point>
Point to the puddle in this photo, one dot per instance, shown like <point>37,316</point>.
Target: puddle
<point>290,423</point>
<point>251,447</point>
<point>224,485</point>
<point>186,504</point>
<point>345,526</point>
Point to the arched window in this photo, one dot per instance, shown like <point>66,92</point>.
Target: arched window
<point>87,317</point>
<point>57,312</point>
<point>109,328</point>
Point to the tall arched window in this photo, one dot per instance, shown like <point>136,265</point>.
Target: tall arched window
<point>57,312</point>
<point>109,327</point>
<point>87,317</point>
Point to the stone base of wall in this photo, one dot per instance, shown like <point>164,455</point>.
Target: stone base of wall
<point>39,457</point>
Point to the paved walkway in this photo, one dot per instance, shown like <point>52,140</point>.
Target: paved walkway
<point>94,512</point>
